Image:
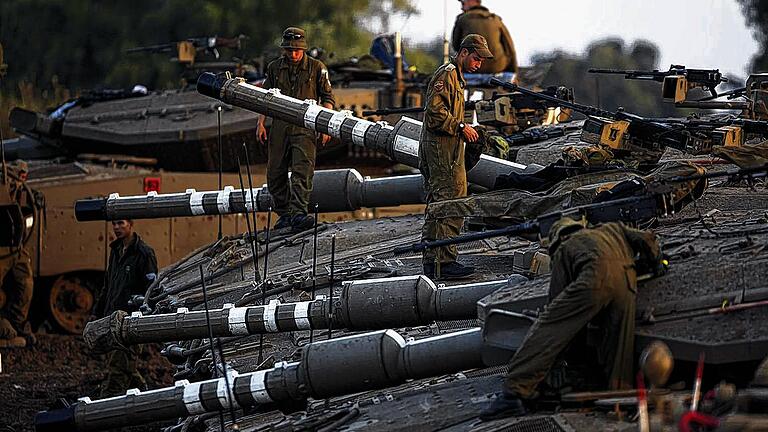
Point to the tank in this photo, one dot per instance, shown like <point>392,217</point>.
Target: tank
<point>164,124</point>
<point>354,378</point>
<point>346,335</point>
<point>297,335</point>
<point>69,257</point>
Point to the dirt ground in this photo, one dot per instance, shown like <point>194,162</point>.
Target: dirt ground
<point>59,366</point>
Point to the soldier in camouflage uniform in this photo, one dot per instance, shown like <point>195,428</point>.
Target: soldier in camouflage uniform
<point>16,265</point>
<point>441,152</point>
<point>293,147</point>
<point>478,19</point>
<point>594,279</point>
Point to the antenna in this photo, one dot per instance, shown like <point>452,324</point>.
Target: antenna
<point>314,265</point>
<point>253,205</point>
<point>214,351</point>
<point>221,161</point>
<point>330,286</point>
<point>263,286</point>
<point>251,237</point>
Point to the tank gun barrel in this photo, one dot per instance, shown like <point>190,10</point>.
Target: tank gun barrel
<point>400,142</point>
<point>330,368</point>
<point>334,190</point>
<point>363,305</point>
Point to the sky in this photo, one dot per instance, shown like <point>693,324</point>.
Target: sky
<point>704,34</point>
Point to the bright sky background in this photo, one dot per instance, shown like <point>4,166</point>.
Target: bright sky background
<point>704,34</point>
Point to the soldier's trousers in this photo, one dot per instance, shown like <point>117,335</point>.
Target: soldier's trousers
<point>290,148</point>
<point>18,269</point>
<point>445,177</point>
<point>122,372</point>
<point>611,308</point>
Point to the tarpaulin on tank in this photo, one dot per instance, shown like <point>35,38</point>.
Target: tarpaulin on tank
<point>745,157</point>
<point>575,191</point>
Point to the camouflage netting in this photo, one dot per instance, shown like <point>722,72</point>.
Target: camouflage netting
<point>575,191</point>
<point>104,335</point>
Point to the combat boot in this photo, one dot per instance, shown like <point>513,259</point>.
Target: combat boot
<point>25,331</point>
<point>302,222</point>
<point>8,336</point>
<point>505,405</point>
<point>448,271</point>
<point>283,222</point>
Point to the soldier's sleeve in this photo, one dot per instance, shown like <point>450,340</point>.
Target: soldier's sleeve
<point>324,89</point>
<point>509,47</point>
<point>437,115</point>
<point>574,272</point>
<point>269,80</point>
<point>148,269</point>
<point>644,243</point>
<point>559,275</point>
<point>456,35</point>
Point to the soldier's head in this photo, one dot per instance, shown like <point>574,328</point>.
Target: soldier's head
<point>472,52</point>
<point>293,43</point>
<point>123,228</point>
<point>561,230</point>
<point>468,4</point>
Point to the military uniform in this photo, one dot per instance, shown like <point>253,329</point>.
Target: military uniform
<point>441,156</point>
<point>593,276</point>
<point>481,21</point>
<point>293,147</point>
<point>130,272</point>
<point>17,264</point>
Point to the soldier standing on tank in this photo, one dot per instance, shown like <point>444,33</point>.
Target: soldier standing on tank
<point>441,152</point>
<point>479,20</point>
<point>132,268</point>
<point>292,147</point>
<point>16,264</point>
<point>594,279</point>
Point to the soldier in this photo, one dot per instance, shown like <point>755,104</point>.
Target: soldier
<point>479,20</point>
<point>594,274</point>
<point>15,330</point>
<point>441,152</point>
<point>132,268</point>
<point>292,147</point>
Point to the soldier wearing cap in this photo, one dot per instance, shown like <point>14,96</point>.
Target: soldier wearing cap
<point>292,147</point>
<point>16,265</point>
<point>441,152</point>
<point>479,20</point>
<point>594,280</point>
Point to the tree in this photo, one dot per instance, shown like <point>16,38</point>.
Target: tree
<point>83,42</point>
<point>609,91</point>
<point>756,14</point>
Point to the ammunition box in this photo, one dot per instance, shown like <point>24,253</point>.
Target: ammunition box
<point>728,136</point>
<point>611,133</point>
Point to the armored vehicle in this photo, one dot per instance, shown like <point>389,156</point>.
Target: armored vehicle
<point>330,330</point>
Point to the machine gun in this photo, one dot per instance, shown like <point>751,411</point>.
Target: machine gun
<point>618,130</point>
<point>503,109</point>
<point>187,49</point>
<point>655,200</point>
<point>728,132</point>
<point>676,81</point>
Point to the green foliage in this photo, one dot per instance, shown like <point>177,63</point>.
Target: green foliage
<point>83,42</point>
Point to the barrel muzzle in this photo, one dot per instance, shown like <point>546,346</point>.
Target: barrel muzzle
<point>210,84</point>
<point>60,419</point>
<point>91,209</point>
